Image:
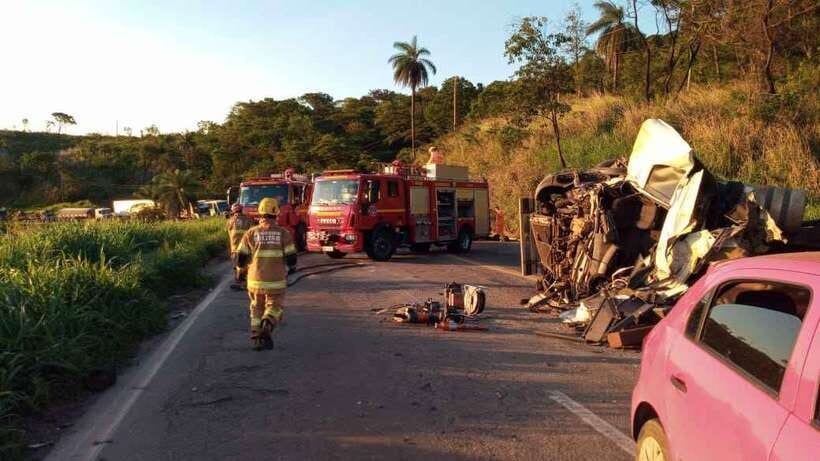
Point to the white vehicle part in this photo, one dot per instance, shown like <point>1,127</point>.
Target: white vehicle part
<point>578,315</point>
<point>660,159</point>
<point>687,253</point>
<point>678,222</point>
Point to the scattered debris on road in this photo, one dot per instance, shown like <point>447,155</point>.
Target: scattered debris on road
<point>462,304</point>
<point>619,243</point>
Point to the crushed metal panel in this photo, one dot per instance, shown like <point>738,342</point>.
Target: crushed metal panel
<point>660,159</point>
<point>687,253</point>
<point>679,220</point>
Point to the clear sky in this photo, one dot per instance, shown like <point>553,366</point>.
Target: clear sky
<point>173,62</point>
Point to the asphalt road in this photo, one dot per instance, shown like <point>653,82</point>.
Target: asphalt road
<point>346,383</point>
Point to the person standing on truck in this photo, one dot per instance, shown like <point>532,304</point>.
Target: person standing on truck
<point>270,254</point>
<point>436,156</point>
<point>238,224</point>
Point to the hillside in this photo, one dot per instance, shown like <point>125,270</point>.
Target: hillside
<point>732,140</point>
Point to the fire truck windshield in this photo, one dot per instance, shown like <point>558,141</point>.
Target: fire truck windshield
<point>252,195</point>
<point>335,192</point>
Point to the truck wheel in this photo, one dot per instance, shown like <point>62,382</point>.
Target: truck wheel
<point>652,445</point>
<point>301,237</point>
<point>336,254</point>
<point>420,247</point>
<point>462,244</point>
<point>382,245</point>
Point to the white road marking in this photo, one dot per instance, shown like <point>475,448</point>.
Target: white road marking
<point>594,421</point>
<point>107,415</point>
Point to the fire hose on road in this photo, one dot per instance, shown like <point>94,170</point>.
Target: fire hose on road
<point>323,269</point>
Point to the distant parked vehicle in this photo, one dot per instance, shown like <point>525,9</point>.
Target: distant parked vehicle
<point>733,372</point>
<point>212,207</point>
<point>103,213</point>
<point>127,207</point>
<point>74,214</point>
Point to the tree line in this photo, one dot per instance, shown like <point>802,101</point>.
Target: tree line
<point>768,45</point>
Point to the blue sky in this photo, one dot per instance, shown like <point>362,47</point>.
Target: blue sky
<point>173,63</point>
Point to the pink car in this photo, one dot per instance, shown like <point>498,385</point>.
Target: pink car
<point>733,372</point>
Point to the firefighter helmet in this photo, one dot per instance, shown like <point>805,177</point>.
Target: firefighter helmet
<point>269,206</point>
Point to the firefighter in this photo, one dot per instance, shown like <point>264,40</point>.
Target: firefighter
<point>238,224</point>
<point>500,230</point>
<point>270,254</point>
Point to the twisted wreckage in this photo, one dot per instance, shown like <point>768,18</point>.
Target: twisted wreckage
<point>617,244</point>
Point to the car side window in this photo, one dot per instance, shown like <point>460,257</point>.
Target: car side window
<point>392,189</point>
<point>754,325</point>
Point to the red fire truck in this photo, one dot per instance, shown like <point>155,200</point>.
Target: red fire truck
<point>290,189</point>
<point>378,212</point>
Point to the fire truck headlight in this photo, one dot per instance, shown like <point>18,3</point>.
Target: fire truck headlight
<point>350,238</point>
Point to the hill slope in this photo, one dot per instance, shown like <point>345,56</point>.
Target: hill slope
<point>727,133</point>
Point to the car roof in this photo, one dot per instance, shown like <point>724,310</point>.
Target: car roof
<point>804,261</point>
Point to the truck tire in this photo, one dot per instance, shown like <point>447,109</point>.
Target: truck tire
<point>301,237</point>
<point>336,254</point>
<point>463,243</point>
<point>652,442</point>
<point>382,245</point>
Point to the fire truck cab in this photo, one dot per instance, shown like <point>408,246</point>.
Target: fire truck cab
<point>291,190</point>
<point>402,205</point>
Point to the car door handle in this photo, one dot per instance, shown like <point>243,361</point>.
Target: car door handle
<point>678,383</point>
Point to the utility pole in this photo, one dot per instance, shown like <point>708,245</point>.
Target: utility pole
<point>116,127</point>
<point>455,102</point>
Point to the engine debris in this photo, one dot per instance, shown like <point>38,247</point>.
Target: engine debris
<point>619,243</point>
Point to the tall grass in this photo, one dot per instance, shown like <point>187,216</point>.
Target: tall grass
<point>721,124</point>
<point>77,297</point>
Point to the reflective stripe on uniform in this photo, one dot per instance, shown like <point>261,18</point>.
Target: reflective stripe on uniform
<point>290,249</point>
<point>256,322</point>
<point>269,253</point>
<point>238,231</point>
<point>278,285</point>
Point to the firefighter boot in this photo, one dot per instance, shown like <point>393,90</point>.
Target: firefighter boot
<point>257,341</point>
<point>265,339</point>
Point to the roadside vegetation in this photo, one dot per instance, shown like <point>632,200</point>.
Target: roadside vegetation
<point>719,123</point>
<point>76,298</point>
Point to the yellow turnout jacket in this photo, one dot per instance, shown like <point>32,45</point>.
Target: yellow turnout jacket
<point>268,246</point>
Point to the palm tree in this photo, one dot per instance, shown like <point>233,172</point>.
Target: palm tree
<point>174,190</point>
<point>615,36</point>
<point>410,68</point>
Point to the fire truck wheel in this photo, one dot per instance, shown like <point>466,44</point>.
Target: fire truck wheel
<point>301,237</point>
<point>336,254</point>
<point>382,245</point>
<point>463,243</point>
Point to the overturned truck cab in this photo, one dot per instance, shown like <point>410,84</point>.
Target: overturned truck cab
<point>624,239</point>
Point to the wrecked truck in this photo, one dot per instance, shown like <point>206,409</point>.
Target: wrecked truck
<point>615,245</point>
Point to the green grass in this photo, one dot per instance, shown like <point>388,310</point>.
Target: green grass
<point>77,297</point>
<point>812,212</point>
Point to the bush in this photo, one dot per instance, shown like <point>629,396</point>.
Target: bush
<point>77,297</point>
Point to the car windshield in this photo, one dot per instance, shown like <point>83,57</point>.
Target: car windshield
<point>252,195</point>
<point>335,192</point>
